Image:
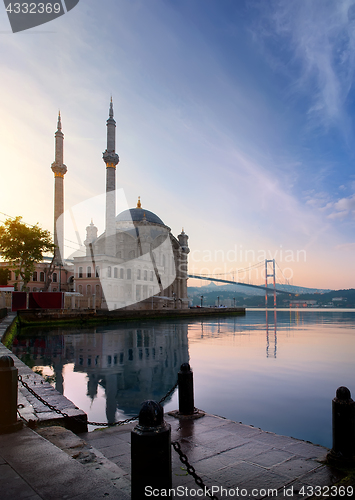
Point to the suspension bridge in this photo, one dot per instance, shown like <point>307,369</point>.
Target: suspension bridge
<point>270,272</point>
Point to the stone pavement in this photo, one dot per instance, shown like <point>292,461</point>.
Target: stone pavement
<point>227,454</point>
<point>32,468</point>
<point>54,463</point>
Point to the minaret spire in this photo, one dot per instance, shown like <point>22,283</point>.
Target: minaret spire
<point>59,170</point>
<point>111,159</point>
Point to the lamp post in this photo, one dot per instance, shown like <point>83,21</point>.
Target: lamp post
<point>234,301</point>
<point>201,300</point>
<point>218,301</point>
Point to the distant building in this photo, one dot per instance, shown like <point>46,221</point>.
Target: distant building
<point>303,303</point>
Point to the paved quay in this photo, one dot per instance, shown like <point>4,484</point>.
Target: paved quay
<point>54,463</point>
<point>227,454</point>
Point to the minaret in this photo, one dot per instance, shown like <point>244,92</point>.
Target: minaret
<point>59,170</point>
<point>111,159</point>
<point>182,269</point>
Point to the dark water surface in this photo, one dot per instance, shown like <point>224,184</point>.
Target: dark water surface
<point>277,371</point>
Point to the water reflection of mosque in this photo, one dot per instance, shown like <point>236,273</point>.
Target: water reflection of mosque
<point>130,362</point>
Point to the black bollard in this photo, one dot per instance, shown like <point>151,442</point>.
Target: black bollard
<point>186,390</point>
<point>343,412</point>
<point>151,453</point>
<point>8,396</point>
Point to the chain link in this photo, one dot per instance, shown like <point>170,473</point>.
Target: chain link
<point>97,424</point>
<point>191,470</point>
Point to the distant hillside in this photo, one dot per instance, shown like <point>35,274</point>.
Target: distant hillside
<point>233,295</point>
<point>244,290</point>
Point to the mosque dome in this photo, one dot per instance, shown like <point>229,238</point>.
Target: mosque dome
<point>138,214</point>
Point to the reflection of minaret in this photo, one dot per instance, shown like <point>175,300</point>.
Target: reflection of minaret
<point>93,382</point>
<point>111,159</point>
<point>59,170</point>
<point>111,391</point>
<point>59,380</point>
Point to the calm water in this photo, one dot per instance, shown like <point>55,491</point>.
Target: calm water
<point>278,372</point>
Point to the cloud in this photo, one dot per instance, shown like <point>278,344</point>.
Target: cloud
<point>317,52</point>
<point>346,204</point>
<point>347,247</point>
<point>338,215</point>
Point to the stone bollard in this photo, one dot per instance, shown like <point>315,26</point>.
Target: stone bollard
<point>343,413</point>
<point>8,396</point>
<point>150,453</point>
<point>186,390</point>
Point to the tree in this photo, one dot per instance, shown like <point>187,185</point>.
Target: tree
<point>23,246</point>
<point>4,275</point>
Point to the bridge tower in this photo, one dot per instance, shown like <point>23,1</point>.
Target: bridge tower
<point>270,264</point>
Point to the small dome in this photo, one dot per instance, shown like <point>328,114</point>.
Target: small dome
<point>138,215</point>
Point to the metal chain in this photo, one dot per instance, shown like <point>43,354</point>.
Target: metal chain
<point>191,470</point>
<point>168,393</point>
<point>51,407</point>
<point>112,424</point>
<point>97,424</point>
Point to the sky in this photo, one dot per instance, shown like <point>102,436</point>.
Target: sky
<point>234,121</point>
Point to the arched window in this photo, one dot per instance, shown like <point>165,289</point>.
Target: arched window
<point>129,274</point>
<point>132,254</point>
<point>145,275</point>
<point>80,288</point>
<point>34,277</point>
<point>54,277</point>
<point>80,275</point>
<point>97,272</point>
<point>41,276</point>
<point>97,290</point>
<point>138,274</point>
<point>109,272</point>
<point>151,275</point>
<point>88,290</point>
<point>121,273</point>
<point>34,288</point>
<point>88,271</point>
<point>115,272</point>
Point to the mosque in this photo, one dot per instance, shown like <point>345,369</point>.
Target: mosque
<point>136,263</point>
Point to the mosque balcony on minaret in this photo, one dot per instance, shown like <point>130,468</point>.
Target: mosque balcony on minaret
<point>59,170</point>
<point>182,237</point>
<point>110,158</point>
